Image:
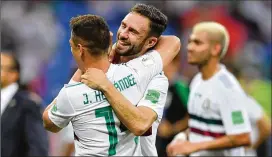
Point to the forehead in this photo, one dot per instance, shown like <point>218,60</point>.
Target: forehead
<point>6,59</point>
<point>201,35</point>
<point>137,21</point>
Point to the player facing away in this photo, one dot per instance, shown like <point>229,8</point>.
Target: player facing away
<point>144,24</point>
<point>218,123</point>
<point>97,130</point>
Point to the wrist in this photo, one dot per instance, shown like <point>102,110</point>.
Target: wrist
<point>106,86</point>
<point>201,146</point>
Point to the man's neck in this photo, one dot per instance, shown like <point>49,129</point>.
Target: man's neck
<point>101,63</point>
<point>210,69</point>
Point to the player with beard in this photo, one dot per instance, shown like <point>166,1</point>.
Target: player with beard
<point>96,128</point>
<point>139,31</point>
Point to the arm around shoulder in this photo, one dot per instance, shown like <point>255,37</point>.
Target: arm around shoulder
<point>168,47</point>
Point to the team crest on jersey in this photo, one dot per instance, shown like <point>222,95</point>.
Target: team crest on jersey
<point>153,96</point>
<point>206,104</point>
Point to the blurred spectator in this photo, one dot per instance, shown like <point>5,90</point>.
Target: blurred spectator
<point>32,33</point>
<point>175,111</point>
<point>22,132</point>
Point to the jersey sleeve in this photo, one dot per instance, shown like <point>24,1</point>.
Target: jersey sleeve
<point>155,95</point>
<point>254,109</point>
<point>234,115</point>
<point>62,111</point>
<point>146,67</point>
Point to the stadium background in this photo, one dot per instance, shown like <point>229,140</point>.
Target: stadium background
<point>37,32</point>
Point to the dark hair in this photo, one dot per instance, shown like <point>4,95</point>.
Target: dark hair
<point>92,32</point>
<point>16,65</point>
<point>158,21</point>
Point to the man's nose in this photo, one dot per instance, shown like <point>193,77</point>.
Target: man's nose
<point>189,47</point>
<point>124,34</point>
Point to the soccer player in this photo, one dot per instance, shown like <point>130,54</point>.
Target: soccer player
<point>218,123</point>
<point>142,26</point>
<point>97,130</point>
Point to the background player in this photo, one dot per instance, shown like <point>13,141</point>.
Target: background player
<point>218,119</point>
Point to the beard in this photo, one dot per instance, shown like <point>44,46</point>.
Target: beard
<point>201,61</point>
<point>129,49</point>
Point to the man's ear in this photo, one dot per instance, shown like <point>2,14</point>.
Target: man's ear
<point>81,52</point>
<point>151,42</point>
<point>216,51</point>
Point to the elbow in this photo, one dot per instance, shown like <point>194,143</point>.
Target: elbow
<point>141,129</point>
<point>45,120</point>
<point>47,123</point>
<point>138,132</point>
<point>177,44</point>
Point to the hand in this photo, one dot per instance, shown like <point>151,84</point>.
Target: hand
<point>113,56</point>
<point>95,79</point>
<point>182,148</point>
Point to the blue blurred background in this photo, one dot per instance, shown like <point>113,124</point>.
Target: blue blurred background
<point>37,32</point>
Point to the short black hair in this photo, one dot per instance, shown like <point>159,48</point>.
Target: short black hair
<point>158,21</point>
<point>16,64</point>
<point>91,31</point>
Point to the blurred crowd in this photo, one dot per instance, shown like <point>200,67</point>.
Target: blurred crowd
<point>37,33</point>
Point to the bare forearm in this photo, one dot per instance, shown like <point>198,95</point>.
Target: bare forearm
<point>229,141</point>
<point>128,114</point>
<point>181,125</point>
<point>168,46</point>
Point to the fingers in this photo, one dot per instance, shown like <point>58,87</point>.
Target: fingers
<point>169,150</point>
<point>110,46</point>
<point>82,77</point>
<point>112,53</point>
<point>84,81</point>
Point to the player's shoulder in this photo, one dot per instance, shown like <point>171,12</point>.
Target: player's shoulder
<point>147,60</point>
<point>160,80</point>
<point>75,87</point>
<point>160,76</point>
<point>227,80</point>
<point>74,90</point>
